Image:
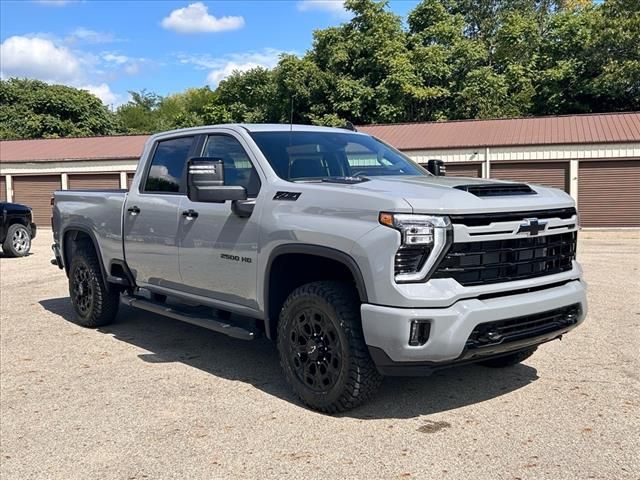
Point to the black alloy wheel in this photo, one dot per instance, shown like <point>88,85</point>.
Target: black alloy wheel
<point>82,290</point>
<point>314,349</point>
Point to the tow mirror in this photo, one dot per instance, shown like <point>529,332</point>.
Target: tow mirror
<point>437,167</point>
<point>205,182</point>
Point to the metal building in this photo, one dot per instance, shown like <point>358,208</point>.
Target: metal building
<point>595,158</point>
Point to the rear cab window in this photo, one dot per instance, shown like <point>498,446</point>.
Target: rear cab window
<point>167,165</point>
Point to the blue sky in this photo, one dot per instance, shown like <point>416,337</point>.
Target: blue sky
<point>111,47</point>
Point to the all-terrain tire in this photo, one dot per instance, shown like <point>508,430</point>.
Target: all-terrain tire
<point>93,303</point>
<point>17,243</point>
<point>509,360</point>
<point>350,376</point>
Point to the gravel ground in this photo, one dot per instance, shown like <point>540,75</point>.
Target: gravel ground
<point>149,397</point>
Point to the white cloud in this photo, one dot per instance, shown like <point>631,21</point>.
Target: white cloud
<point>43,59</point>
<point>40,58</point>
<point>132,69</point>
<point>332,6</point>
<point>104,93</point>
<point>91,36</point>
<point>115,58</point>
<point>216,76</point>
<point>54,3</point>
<point>195,18</point>
<point>221,67</point>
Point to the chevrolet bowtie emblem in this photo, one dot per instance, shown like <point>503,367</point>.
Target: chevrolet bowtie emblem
<point>532,226</point>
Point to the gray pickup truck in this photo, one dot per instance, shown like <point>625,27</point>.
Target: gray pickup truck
<point>355,260</point>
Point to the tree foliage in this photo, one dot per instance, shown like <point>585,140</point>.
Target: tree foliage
<point>33,109</point>
<point>449,59</point>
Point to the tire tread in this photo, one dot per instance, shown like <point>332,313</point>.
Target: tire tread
<point>363,379</point>
<point>106,302</point>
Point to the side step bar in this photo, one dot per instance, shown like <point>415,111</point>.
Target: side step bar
<point>208,323</point>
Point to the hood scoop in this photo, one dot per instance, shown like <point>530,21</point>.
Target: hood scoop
<point>497,189</point>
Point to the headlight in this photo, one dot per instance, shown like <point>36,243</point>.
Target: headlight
<point>424,240</point>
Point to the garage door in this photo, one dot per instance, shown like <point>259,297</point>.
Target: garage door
<point>3,189</point>
<point>464,169</point>
<point>36,191</point>
<point>129,179</point>
<point>552,174</point>
<point>609,193</point>
<point>94,181</point>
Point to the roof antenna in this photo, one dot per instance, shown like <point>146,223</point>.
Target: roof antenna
<point>291,116</point>
<point>290,139</point>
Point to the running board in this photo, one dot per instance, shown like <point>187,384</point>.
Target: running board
<point>204,322</point>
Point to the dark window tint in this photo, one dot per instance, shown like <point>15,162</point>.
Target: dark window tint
<point>238,169</point>
<point>314,155</point>
<point>167,165</point>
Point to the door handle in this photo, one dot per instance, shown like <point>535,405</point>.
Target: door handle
<point>191,213</point>
<point>133,210</point>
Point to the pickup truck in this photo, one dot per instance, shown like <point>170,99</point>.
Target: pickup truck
<point>356,261</point>
<point>16,229</point>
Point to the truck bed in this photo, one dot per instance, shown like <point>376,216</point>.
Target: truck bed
<point>97,212</point>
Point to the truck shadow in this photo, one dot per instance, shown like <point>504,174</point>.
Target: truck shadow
<point>257,363</point>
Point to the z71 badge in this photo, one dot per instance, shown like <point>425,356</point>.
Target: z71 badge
<point>291,196</point>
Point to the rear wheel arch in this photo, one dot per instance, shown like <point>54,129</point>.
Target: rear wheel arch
<point>74,238</point>
<point>290,266</point>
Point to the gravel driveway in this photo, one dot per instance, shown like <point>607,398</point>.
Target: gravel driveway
<point>149,397</point>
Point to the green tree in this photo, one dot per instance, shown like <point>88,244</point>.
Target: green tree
<point>140,113</point>
<point>244,97</point>
<point>34,109</point>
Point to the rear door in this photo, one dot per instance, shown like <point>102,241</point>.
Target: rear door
<point>218,249</point>
<point>151,215</point>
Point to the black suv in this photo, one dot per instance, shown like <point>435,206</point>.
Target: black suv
<point>16,229</point>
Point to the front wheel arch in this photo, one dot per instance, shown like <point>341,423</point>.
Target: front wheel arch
<point>292,265</point>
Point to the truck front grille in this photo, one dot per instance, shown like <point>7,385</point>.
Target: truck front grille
<point>480,263</point>
<point>528,326</point>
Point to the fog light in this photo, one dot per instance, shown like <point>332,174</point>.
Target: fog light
<point>419,333</point>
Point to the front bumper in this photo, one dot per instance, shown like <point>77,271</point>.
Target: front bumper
<point>386,329</point>
<point>34,230</point>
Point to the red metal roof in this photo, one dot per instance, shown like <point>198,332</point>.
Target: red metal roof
<point>570,129</point>
<point>65,149</point>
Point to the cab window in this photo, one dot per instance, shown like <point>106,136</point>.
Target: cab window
<point>168,164</point>
<point>238,169</point>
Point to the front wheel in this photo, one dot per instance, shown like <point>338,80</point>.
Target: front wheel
<point>17,243</point>
<point>509,360</point>
<point>322,348</point>
<point>94,304</point>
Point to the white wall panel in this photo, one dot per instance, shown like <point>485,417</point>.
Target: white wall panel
<point>527,153</point>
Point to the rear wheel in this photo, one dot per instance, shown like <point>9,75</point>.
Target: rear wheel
<point>509,360</point>
<point>17,243</point>
<point>93,303</point>
<point>322,348</point>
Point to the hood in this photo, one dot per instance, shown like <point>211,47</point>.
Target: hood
<point>14,207</point>
<point>430,194</point>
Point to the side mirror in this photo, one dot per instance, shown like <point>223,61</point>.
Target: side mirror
<point>437,167</point>
<point>205,182</point>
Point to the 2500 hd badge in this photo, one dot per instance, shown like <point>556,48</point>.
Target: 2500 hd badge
<point>235,258</point>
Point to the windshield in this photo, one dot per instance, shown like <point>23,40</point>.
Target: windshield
<point>314,156</point>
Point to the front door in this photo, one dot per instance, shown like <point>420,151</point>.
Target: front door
<point>218,249</point>
<point>151,216</point>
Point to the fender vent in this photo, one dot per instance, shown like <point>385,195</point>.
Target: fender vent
<point>497,189</point>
